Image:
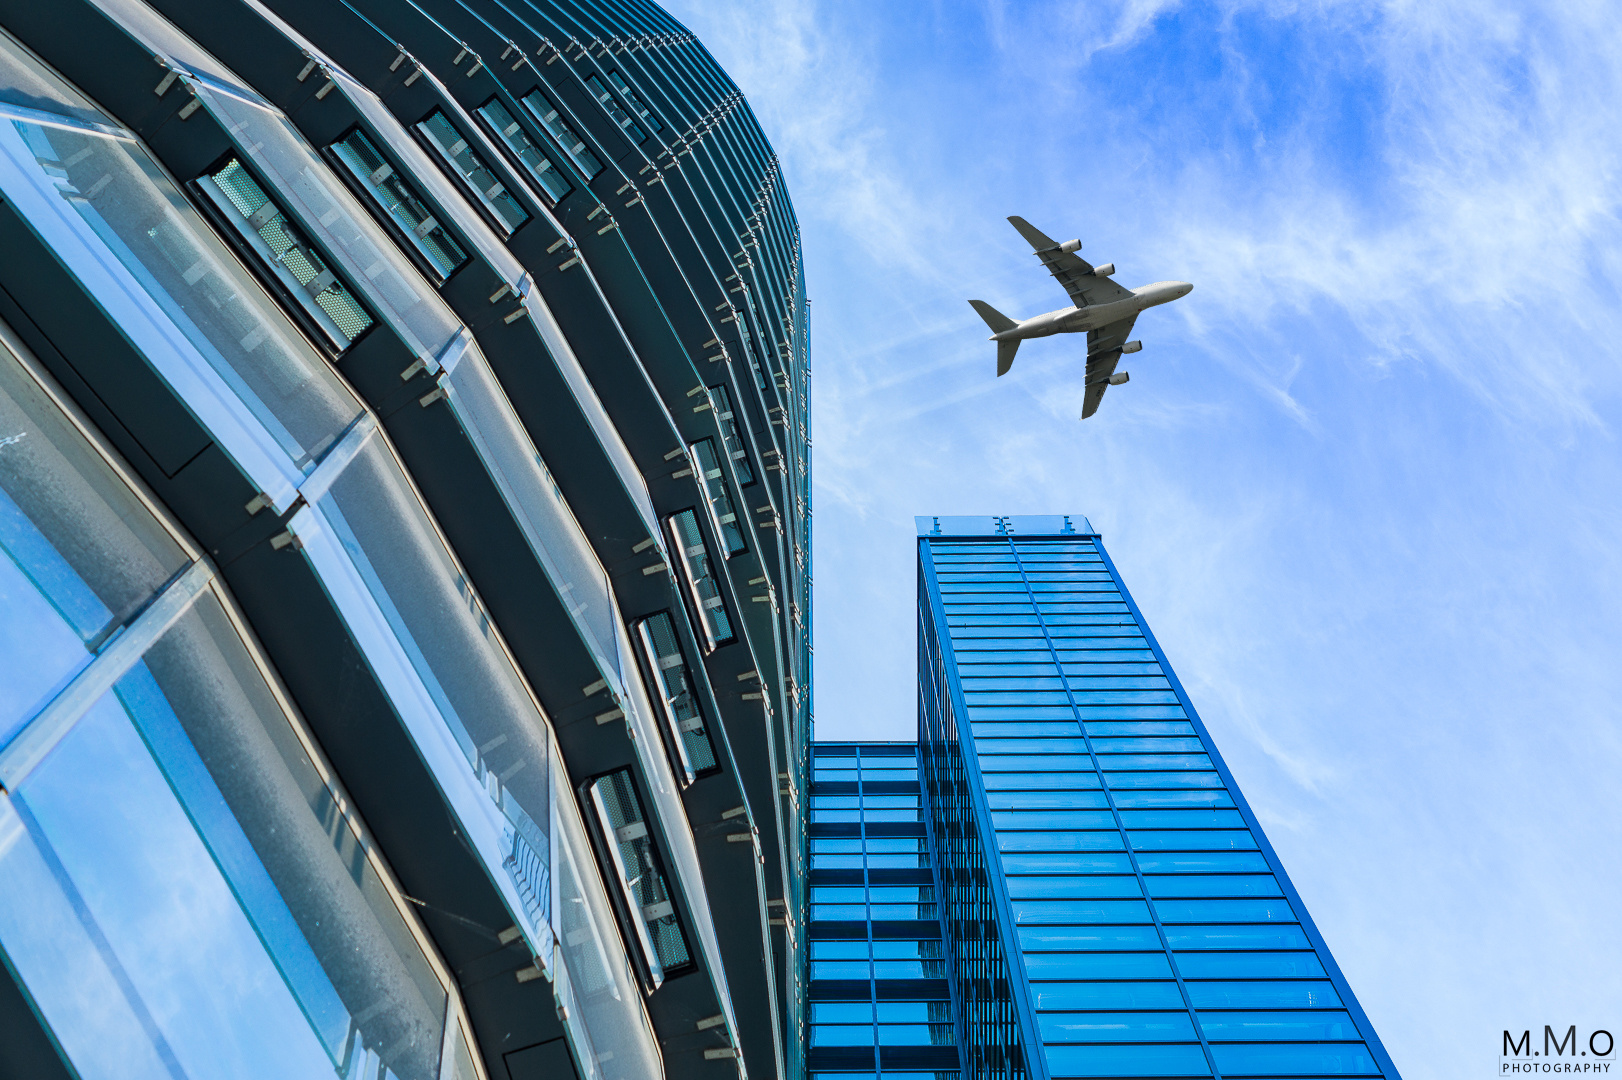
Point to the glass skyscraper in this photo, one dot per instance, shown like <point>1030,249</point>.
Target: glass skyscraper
<point>1059,878</point>
<point>404,652</point>
<point>1110,904</point>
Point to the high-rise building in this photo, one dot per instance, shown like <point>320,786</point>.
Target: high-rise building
<point>404,666</point>
<point>1098,900</point>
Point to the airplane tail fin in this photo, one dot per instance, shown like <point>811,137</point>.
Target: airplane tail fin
<point>994,318</point>
<point>998,323</point>
<point>1005,355</point>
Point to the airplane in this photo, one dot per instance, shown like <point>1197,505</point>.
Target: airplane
<point>1101,307</point>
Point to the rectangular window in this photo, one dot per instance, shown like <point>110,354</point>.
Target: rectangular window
<point>689,737</point>
<point>699,576</point>
<point>640,875</point>
<point>517,140</point>
<point>285,252</point>
<point>731,436</point>
<point>636,103</point>
<point>559,129</point>
<point>390,192</point>
<point>612,107</point>
<point>448,143</point>
<point>715,486</point>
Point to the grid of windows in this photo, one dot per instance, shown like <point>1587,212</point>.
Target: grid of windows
<point>880,1004</point>
<point>1154,934</point>
<point>994,1043</point>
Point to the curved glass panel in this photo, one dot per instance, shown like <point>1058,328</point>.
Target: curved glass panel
<point>373,266</point>
<point>146,257</point>
<point>184,895</point>
<point>591,406</point>
<point>389,573</point>
<point>79,552</point>
<point>537,504</point>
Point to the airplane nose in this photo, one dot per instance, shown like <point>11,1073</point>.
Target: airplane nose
<point>1184,288</point>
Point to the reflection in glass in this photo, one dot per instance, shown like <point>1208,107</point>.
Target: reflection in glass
<point>79,552</point>
<point>266,946</point>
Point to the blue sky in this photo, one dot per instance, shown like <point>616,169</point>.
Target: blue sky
<point>1364,481</point>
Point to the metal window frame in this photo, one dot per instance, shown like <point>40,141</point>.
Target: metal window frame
<point>612,865</point>
<point>653,664</point>
<point>712,643</point>
<point>480,200</point>
<point>297,300</point>
<point>408,242</point>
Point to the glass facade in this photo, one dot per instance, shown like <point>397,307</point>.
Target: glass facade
<point>880,1003</point>
<point>1112,906</point>
<point>377,698</point>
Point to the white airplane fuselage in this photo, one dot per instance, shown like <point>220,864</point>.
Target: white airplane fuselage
<point>1073,320</point>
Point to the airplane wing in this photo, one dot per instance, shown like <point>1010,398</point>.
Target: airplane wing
<point>1072,271</point>
<point>1103,353</point>
<point>1108,338</point>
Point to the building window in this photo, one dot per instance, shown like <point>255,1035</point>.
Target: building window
<point>699,577</point>
<point>639,875</point>
<point>731,436</point>
<point>721,508</point>
<point>523,148</point>
<point>285,252</point>
<point>612,107</point>
<point>448,143</point>
<point>401,207</point>
<point>636,102</point>
<point>559,129</point>
<point>689,736</point>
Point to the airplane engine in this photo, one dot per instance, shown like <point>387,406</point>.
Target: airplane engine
<point>1068,246</point>
<point>1119,377</point>
<point>1132,347</point>
<point>1104,271</point>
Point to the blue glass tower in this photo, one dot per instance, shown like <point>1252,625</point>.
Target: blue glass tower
<point>879,999</point>
<point>1112,906</point>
